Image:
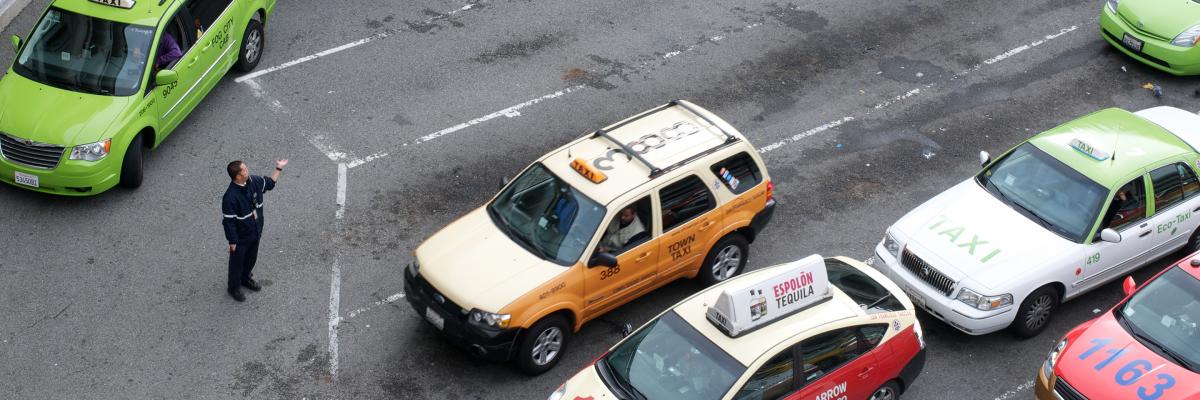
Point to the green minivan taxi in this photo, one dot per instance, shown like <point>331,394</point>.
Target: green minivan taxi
<point>98,82</point>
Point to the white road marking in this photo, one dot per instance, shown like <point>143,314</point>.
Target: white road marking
<point>1018,390</point>
<point>356,43</point>
<point>260,93</point>
<point>341,191</point>
<point>335,289</point>
<point>917,91</point>
<point>388,300</point>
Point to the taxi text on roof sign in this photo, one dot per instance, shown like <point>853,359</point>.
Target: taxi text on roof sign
<point>1088,149</point>
<point>580,166</point>
<point>117,3</point>
<point>755,301</point>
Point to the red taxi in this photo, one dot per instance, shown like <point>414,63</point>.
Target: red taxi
<point>1145,348</point>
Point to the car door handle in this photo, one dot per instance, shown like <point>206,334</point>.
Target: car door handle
<point>1144,224</point>
<point>643,256</point>
<point>193,62</point>
<point>1144,234</point>
<point>707,225</point>
<point>865,372</point>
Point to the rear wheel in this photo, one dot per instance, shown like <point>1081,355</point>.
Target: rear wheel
<point>543,345</point>
<point>1193,244</point>
<point>889,391</point>
<point>1035,312</point>
<point>131,166</point>
<point>725,260</point>
<point>253,43</point>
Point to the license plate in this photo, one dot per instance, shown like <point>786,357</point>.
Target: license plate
<point>434,318</point>
<point>914,296</point>
<point>26,179</point>
<point>1132,42</point>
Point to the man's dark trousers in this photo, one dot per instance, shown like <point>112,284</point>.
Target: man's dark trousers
<point>241,262</point>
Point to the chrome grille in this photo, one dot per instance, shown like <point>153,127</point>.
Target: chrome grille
<point>927,273</point>
<point>33,154</point>
<point>1065,391</point>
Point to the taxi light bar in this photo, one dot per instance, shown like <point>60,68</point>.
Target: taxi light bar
<point>582,167</point>
<point>1089,150</point>
<point>126,4</point>
<point>748,304</point>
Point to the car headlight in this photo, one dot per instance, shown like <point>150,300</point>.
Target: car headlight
<point>91,151</point>
<point>891,244</point>
<point>1112,5</point>
<point>558,394</point>
<point>1188,38</point>
<point>489,319</point>
<point>1052,358</point>
<point>984,303</point>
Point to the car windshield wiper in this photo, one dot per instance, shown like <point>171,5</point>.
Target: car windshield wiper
<point>879,301</point>
<point>1150,342</point>
<point>1042,221</point>
<point>623,390</point>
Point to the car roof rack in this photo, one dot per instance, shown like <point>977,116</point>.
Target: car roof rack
<point>654,170</point>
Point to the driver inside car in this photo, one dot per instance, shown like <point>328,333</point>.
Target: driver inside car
<point>622,231</point>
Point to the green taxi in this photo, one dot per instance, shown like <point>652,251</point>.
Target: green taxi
<point>1161,34</point>
<point>99,82</point>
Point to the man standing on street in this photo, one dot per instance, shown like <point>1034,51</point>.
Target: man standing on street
<point>242,207</point>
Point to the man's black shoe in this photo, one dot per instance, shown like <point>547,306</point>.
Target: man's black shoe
<point>252,285</point>
<point>237,294</point>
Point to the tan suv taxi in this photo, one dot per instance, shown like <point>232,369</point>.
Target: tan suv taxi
<point>674,192</point>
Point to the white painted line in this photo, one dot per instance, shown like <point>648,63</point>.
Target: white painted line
<point>335,289</point>
<point>388,300</point>
<point>917,91</point>
<point>347,46</point>
<point>511,112</point>
<point>260,93</point>
<point>341,191</point>
<point>367,159</point>
<point>1018,390</point>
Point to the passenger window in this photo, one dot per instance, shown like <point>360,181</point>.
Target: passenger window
<point>826,352</point>
<point>739,173</point>
<point>1128,205</point>
<point>628,229</point>
<point>772,381</point>
<point>684,200</point>
<point>1191,186</point>
<point>869,294</point>
<point>1169,182</point>
<point>173,43</point>
<point>205,13</point>
<point>872,335</point>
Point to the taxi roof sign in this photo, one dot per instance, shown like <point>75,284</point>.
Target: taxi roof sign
<point>748,304</point>
<point>117,3</point>
<point>582,167</point>
<point>1089,150</point>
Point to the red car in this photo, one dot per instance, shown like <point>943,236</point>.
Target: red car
<point>1145,348</point>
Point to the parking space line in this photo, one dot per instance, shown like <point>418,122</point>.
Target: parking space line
<point>335,290</point>
<point>341,191</point>
<point>917,91</point>
<point>387,300</point>
<point>356,43</point>
<point>1018,390</point>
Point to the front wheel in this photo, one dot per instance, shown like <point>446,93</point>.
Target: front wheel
<point>543,345</point>
<point>1035,312</point>
<point>131,165</point>
<point>253,43</point>
<point>725,260</point>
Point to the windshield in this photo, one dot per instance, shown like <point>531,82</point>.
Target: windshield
<point>546,215</point>
<point>85,54</point>
<point>668,359</point>
<point>1047,191</point>
<point>1166,313</point>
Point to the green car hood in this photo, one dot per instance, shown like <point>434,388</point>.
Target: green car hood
<point>47,114</point>
<point>1165,18</point>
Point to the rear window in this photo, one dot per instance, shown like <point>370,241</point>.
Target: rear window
<point>864,290</point>
<point>739,173</point>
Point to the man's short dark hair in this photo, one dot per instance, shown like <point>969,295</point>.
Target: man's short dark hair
<point>234,168</point>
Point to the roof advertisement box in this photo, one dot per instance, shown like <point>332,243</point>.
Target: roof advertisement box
<point>746,304</point>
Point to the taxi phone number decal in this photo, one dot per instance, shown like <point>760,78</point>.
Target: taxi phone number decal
<point>1131,372</point>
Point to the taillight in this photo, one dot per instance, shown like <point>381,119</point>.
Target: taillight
<point>770,191</point>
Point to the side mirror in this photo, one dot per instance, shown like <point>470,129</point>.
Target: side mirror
<point>1129,286</point>
<point>16,42</point>
<point>166,77</point>
<point>504,181</point>
<point>984,158</point>
<point>1109,235</point>
<point>603,260</point>
<point>626,330</point>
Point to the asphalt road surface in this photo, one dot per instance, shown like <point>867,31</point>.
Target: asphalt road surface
<point>401,116</point>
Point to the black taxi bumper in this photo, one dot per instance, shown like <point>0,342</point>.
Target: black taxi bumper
<point>760,220</point>
<point>481,342</point>
<point>909,374</point>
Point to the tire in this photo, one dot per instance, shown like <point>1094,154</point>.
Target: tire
<point>1193,244</point>
<point>889,391</point>
<point>131,165</point>
<point>534,357</point>
<point>725,260</point>
<point>1035,312</point>
<point>253,44</point>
